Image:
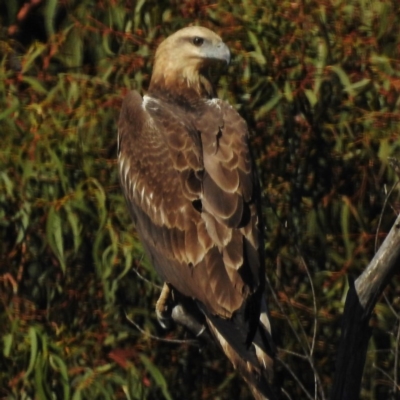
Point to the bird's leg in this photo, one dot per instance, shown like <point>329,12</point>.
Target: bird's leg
<point>163,307</point>
<point>181,316</point>
<point>168,308</point>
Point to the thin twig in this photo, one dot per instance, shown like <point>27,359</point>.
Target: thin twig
<point>391,307</point>
<point>381,215</point>
<point>307,348</point>
<point>292,353</point>
<point>316,376</point>
<point>314,306</point>
<point>286,393</point>
<point>145,279</point>
<point>289,303</point>
<point>296,379</point>
<point>317,379</point>
<point>396,361</point>
<point>381,351</point>
<point>301,342</point>
<point>275,297</point>
<point>174,341</point>
<point>384,373</point>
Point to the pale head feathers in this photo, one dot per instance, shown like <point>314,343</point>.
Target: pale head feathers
<point>182,60</point>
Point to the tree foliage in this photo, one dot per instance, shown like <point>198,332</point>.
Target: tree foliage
<point>318,82</point>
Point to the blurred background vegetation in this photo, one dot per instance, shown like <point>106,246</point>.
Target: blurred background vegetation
<point>318,82</point>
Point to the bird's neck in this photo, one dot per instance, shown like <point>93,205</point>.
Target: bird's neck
<point>181,85</point>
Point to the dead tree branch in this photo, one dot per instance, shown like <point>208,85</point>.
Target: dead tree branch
<point>361,299</point>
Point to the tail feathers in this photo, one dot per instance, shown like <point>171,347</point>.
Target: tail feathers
<point>262,341</point>
<point>256,368</point>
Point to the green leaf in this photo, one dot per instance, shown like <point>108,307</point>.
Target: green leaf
<point>100,197</point>
<point>288,92</point>
<point>8,342</point>
<point>257,54</point>
<point>59,166</point>
<point>35,51</point>
<point>35,84</point>
<point>358,86</point>
<point>33,339</point>
<point>40,379</point>
<point>23,217</point>
<point>156,375</point>
<point>76,227</point>
<point>10,109</point>
<point>73,52</point>
<point>77,394</point>
<point>8,184</point>
<point>343,77</point>
<point>55,237</point>
<point>59,365</point>
<point>311,96</point>
<point>345,222</point>
<point>49,15</point>
<point>268,106</point>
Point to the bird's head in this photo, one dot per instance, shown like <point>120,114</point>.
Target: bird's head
<point>186,58</point>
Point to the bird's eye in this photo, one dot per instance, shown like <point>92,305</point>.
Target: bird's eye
<point>198,41</point>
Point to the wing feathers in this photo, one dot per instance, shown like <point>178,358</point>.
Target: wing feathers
<point>225,206</point>
<point>191,184</point>
<point>188,180</point>
<point>228,296</point>
<point>204,236</point>
<point>194,250</point>
<point>233,252</point>
<point>193,204</point>
<point>219,233</point>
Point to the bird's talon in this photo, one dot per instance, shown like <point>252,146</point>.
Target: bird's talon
<point>164,318</point>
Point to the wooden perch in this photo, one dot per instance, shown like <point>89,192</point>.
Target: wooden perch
<point>361,299</point>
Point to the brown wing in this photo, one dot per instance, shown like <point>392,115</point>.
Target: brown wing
<point>188,180</point>
<point>229,191</point>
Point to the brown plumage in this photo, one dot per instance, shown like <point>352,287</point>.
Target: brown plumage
<point>189,180</point>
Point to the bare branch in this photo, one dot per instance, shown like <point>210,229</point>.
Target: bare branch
<point>173,341</point>
<point>373,280</point>
<point>360,301</point>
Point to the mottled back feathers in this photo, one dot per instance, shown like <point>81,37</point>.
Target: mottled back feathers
<point>188,180</point>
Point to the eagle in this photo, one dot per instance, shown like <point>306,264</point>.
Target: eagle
<point>191,187</point>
